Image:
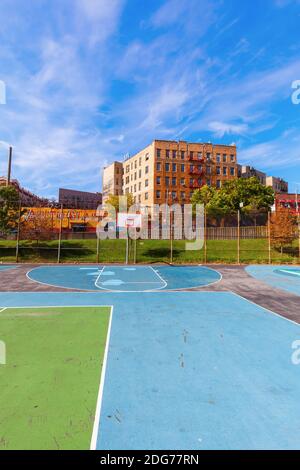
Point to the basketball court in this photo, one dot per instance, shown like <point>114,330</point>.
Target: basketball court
<point>184,360</point>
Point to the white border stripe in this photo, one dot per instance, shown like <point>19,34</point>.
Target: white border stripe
<point>93,444</point>
<point>2,309</point>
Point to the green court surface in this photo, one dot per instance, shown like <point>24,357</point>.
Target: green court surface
<point>50,382</point>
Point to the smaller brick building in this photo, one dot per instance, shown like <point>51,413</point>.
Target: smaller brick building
<point>73,199</point>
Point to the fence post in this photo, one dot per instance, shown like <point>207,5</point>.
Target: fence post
<point>59,236</point>
<point>238,237</point>
<point>98,248</point>
<point>171,237</point>
<point>205,235</point>
<point>18,233</point>
<point>269,236</point>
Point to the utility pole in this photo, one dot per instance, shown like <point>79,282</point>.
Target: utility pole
<point>298,220</point>
<point>9,166</point>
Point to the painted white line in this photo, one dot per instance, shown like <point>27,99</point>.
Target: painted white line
<point>101,271</point>
<point>264,308</point>
<point>78,289</point>
<point>160,277</point>
<point>293,273</point>
<point>2,309</point>
<point>101,387</point>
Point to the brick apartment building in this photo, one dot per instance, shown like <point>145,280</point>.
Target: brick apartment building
<point>27,198</point>
<point>169,171</point>
<point>73,199</point>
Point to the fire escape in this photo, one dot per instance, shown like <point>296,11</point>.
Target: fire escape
<point>196,171</point>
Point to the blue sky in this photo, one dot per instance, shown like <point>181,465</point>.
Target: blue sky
<point>89,81</point>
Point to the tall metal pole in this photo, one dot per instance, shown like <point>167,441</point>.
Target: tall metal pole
<point>205,235</point>
<point>60,234</point>
<point>238,237</point>
<point>298,220</point>
<point>127,246</point>
<point>269,237</point>
<point>18,233</point>
<point>9,166</point>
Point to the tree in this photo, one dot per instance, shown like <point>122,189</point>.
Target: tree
<point>36,228</point>
<point>114,201</point>
<point>249,191</point>
<point>9,209</point>
<point>282,229</point>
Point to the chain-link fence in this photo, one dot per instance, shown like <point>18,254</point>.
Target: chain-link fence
<point>51,235</point>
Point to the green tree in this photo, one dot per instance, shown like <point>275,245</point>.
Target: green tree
<point>254,196</point>
<point>9,209</point>
<point>114,201</point>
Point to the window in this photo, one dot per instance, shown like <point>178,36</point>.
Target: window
<point>146,196</point>
<point>140,186</point>
<point>173,181</point>
<point>182,153</point>
<point>218,170</point>
<point>208,155</point>
<point>174,194</point>
<point>167,153</point>
<point>174,167</point>
<point>182,195</point>
<point>182,181</point>
<point>174,153</point>
<point>135,176</point>
<point>224,158</point>
<point>158,180</point>
<point>167,181</point>
<point>225,171</point>
<point>191,154</point>
<point>139,198</point>
<point>218,158</point>
<point>182,168</point>
<point>127,168</point>
<point>135,164</point>
<point>199,155</point>
<point>232,159</point>
<point>158,194</point>
<point>135,188</point>
<point>140,173</point>
<point>147,157</point>
<point>218,184</point>
<point>208,182</point>
<point>146,170</point>
<point>158,153</point>
<point>167,166</point>
<point>127,179</point>
<point>232,171</point>
<point>146,183</point>
<point>158,166</point>
<point>208,170</point>
<point>140,161</point>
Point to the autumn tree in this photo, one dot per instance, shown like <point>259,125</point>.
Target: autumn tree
<point>282,229</point>
<point>9,209</point>
<point>36,228</point>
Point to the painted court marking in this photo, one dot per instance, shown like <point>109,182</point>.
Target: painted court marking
<point>101,386</point>
<point>130,278</point>
<point>205,310</point>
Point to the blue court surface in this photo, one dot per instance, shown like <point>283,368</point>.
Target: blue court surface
<point>190,370</point>
<point>281,277</point>
<point>5,267</point>
<point>124,278</point>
